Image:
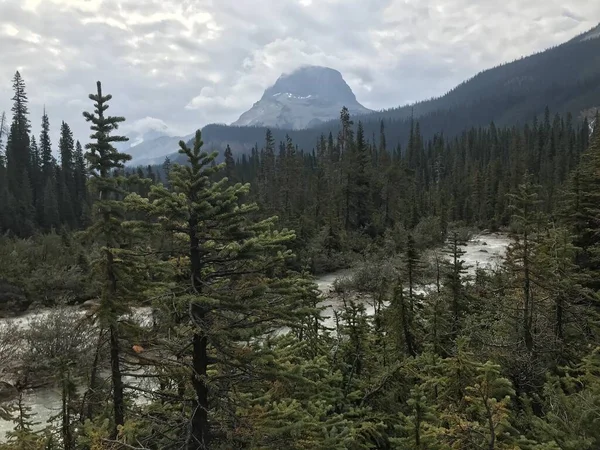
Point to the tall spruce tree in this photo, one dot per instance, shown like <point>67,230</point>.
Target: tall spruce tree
<point>112,269</point>
<point>229,165</point>
<point>37,184</point>
<point>525,205</point>
<point>66,147</point>
<point>3,133</point>
<point>268,170</point>
<point>455,282</point>
<point>4,197</point>
<point>80,186</point>
<point>47,160</point>
<point>235,288</point>
<point>360,181</point>
<point>18,160</point>
<point>583,210</point>
<point>17,148</point>
<point>67,195</point>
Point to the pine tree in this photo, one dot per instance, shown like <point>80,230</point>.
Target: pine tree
<point>66,147</point>
<point>66,179</point>
<point>18,160</point>
<point>236,289</point>
<point>417,425</point>
<point>382,141</point>
<point>17,151</point>
<point>345,142</point>
<point>455,281</point>
<point>150,174</point>
<point>526,219</point>
<point>569,301</point>
<point>166,166</point>
<point>47,160</point>
<point>3,133</point>
<point>80,198</point>
<point>359,203</point>
<point>24,420</point>
<point>569,406</point>
<point>289,184</point>
<point>37,179</point>
<point>404,318</point>
<point>4,195</point>
<point>66,207</point>
<point>112,269</point>
<point>229,165</point>
<point>583,211</point>
<point>412,268</point>
<point>481,420</point>
<point>269,175</point>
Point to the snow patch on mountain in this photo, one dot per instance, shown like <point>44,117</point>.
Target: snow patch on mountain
<point>306,97</point>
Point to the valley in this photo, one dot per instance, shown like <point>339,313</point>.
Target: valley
<point>315,275</point>
<point>484,251</point>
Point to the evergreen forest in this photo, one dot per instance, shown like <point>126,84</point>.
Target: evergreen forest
<point>176,306</point>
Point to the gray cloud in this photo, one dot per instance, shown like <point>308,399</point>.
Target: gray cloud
<point>182,64</point>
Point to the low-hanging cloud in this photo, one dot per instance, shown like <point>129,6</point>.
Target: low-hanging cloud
<point>183,64</point>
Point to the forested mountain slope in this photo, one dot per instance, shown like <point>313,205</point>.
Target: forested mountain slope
<point>425,352</point>
<point>569,70</point>
<point>565,79</point>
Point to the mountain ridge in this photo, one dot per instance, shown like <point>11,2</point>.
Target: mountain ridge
<point>564,78</point>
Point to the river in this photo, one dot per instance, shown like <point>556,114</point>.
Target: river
<point>483,251</point>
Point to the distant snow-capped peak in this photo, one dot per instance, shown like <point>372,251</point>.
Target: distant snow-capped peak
<point>306,97</point>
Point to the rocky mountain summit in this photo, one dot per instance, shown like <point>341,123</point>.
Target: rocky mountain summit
<point>302,99</point>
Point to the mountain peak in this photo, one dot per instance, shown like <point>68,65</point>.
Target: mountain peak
<point>305,97</point>
<point>316,81</point>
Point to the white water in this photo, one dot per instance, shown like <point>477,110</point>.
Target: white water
<point>481,252</point>
<point>45,402</point>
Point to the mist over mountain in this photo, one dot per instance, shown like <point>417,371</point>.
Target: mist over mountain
<point>153,151</point>
<point>150,145</point>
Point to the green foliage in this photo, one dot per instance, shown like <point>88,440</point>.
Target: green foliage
<point>46,269</point>
<point>582,210</point>
<point>234,284</point>
<point>234,353</point>
<point>570,407</point>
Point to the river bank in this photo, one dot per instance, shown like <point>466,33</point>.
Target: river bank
<point>483,251</point>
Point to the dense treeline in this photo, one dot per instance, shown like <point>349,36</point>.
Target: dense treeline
<point>464,178</point>
<point>354,187</point>
<point>37,192</point>
<point>232,351</point>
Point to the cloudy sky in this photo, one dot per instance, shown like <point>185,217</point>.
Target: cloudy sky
<point>180,64</point>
